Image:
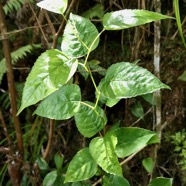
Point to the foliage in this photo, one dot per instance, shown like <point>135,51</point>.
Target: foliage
<point>49,82</point>
<point>77,122</point>
<point>16,55</point>
<point>179,142</point>
<point>178,20</point>
<point>14,5</point>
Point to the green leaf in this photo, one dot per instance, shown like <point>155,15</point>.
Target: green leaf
<point>148,164</point>
<point>126,80</point>
<point>131,140</point>
<point>161,181</point>
<point>80,36</point>
<point>51,70</point>
<point>103,152</point>
<point>58,159</point>
<point>90,120</point>
<point>62,104</point>
<point>56,6</point>
<point>137,110</point>
<point>149,98</point>
<point>94,65</point>
<point>123,19</point>
<point>108,101</point>
<point>115,180</point>
<point>59,181</point>
<point>81,167</point>
<point>50,178</point>
<point>183,76</point>
<point>42,164</point>
<point>96,11</point>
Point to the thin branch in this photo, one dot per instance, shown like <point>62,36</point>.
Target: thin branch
<point>49,22</point>
<point>141,118</point>
<point>10,79</point>
<point>50,139</point>
<point>38,22</point>
<point>14,167</point>
<point>6,131</point>
<point>157,94</point>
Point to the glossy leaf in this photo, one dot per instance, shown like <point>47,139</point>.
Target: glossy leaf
<point>148,164</point>
<point>51,70</point>
<point>103,152</point>
<point>123,19</point>
<point>50,178</point>
<point>115,180</point>
<point>80,36</point>
<point>62,104</point>
<point>56,6</point>
<point>81,167</point>
<point>89,121</point>
<point>131,140</point>
<point>161,181</point>
<point>125,80</point>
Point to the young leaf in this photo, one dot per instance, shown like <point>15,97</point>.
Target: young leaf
<point>42,164</point>
<point>149,98</point>
<point>123,19</point>
<point>62,104</point>
<point>80,36</point>
<point>51,70</point>
<point>96,11</point>
<point>81,167</point>
<point>103,152</point>
<point>89,121</point>
<point>56,6</point>
<point>137,110</point>
<point>50,178</point>
<point>132,139</point>
<point>58,159</point>
<point>148,164</point>
<point>126,80</point>
<point>161,181</point>
<point>114,180</point>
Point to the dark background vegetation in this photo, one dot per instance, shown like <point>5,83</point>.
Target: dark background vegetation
<point>126,45</point>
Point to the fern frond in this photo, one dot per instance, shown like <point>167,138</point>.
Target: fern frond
<point>12,5</point>
<point>16,55</point>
